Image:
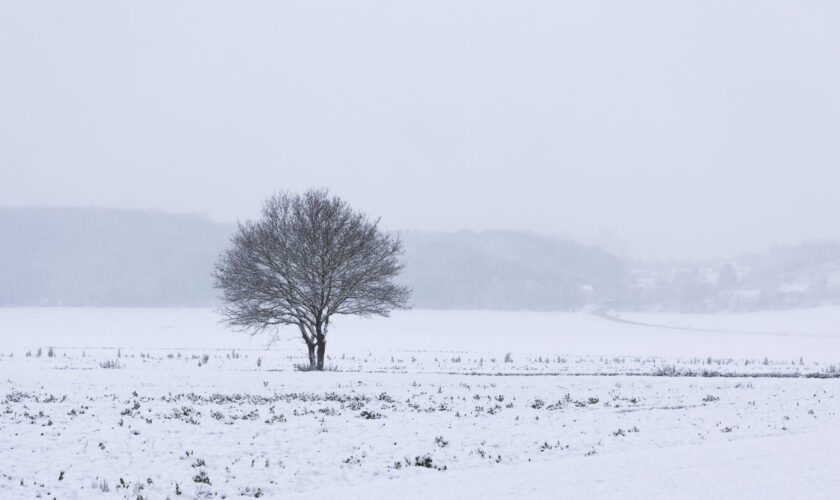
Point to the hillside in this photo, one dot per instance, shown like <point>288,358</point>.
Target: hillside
<point>105,257</point>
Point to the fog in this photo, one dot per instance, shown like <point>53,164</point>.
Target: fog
<point>653,129</point>
<point>110,258</point>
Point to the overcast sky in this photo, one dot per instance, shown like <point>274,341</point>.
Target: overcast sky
<point>679,128</point>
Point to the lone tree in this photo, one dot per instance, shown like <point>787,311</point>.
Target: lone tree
<point>308,258</point>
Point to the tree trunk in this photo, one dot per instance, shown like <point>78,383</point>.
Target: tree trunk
<point>309,340</point>
<point>312,360</point>
<point>322,347</point>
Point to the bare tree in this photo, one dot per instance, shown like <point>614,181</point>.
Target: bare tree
<point>308,258</point>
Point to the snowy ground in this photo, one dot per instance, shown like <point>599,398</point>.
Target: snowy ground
<point>151,403</point>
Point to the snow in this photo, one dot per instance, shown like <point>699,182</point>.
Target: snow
<point>812,333</point>
<point>547,424</point>
<point>767,467</point>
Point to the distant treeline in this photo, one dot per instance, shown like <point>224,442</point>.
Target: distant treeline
<point>107,257</point>
<point>104,257</point>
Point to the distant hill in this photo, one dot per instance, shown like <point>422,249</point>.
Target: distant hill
<point>509,270</point>
<point>106,257</point>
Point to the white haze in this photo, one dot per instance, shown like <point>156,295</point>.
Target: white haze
<point>680,129</point>
<point>620,230</point>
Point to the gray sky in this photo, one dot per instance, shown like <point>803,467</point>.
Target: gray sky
<point>681,128</point>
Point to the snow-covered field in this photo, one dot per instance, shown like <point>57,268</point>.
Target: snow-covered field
<point>162,403</point>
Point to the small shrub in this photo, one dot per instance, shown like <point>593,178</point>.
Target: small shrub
<point>101,485</point>
<point>666,371</point>
<point>385,397</point>
<point>201,477</point>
